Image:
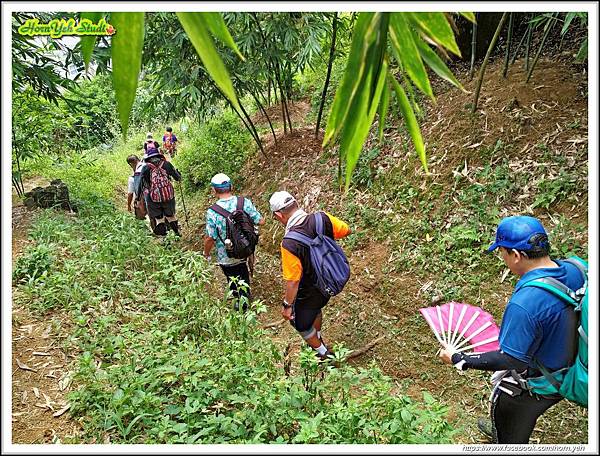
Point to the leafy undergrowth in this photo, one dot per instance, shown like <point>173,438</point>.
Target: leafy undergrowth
<point>160,361</point>
<point>418,240</point>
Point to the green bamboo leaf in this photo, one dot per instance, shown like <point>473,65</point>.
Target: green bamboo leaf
<point>217,27</point>
<point>437,28</point>
<point>437,64</point>
<point>197,29</point>
<point>582,54</point>
<point>411,95</point>
<point>363,36</point>
<point>126,52</point>
<point>468,16</point>
<point>568,19</point>
<point>405,51</point>
<point>411,122</point>
<point>355,137</point>
<point>88,42</point>
<point>383,109</point>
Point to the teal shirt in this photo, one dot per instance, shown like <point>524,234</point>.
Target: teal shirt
<point>215,226</point>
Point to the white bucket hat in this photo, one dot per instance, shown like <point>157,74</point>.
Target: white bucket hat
<point>280,200</point>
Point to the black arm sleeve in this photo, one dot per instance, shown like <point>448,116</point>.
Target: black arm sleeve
<point>144,181</point>
<point>490,361</point>
<point>172,171</point>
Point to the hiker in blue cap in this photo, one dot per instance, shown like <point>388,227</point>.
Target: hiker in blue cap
<point>538,332</point>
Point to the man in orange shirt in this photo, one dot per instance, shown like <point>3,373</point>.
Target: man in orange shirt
<point>303,301</point>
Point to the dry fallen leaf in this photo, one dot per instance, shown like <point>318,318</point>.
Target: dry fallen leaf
<point>24,366</point>
<point>61,411</point>
<point>27,328</point>
<point>41,354</point>
<point>36,392</point>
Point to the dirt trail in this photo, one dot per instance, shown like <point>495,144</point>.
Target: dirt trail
<point>41,368</point>
<point>381,300</point>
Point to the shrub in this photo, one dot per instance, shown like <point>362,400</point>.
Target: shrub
<point>161,361</point>
<point>34,263</point>
<point>220,146</point>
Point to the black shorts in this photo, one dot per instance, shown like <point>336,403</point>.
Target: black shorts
<point>160,210</point>
<point>307,307</point>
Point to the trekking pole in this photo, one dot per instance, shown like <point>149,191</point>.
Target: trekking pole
<point>187,223</point>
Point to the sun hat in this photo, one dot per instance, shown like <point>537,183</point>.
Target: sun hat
<point>220,180</point>
<point>519,232</point>
<point>152,152</point>
<point>280,200</point>
<point>149,135</point>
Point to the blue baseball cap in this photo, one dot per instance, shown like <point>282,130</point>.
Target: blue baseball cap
<point>516,232</point>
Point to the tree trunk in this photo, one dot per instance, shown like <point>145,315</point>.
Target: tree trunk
<point>473,48</point>
<point>508,40</point>
<point>329,66</point>
<point>256,136</point>
<point>275,69</point>
<point>288,97</point>
<point>518,48</point>
<point>20,175</point>
<point>262,109</point>
<point>528,46</point>
<point>485,61</point>
<point>549,26</point>
<point>249,126</point>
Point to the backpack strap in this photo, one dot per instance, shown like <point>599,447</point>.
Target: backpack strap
<point>319,223</point>
<point>301,238</point>
<point>557,288</point>
<point>579,264</point>
<point>582,267</point>
<point>223,212</point>
<point>240,203</point>
<point>219,210</point>
<point>548,375</point>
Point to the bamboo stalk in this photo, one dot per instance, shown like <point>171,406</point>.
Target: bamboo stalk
<point>485,60</point>
<point>528,46</point>
<point>257,137</point>
<point>329,66</point>
<point>549,25</point>
<point>473,47</point>
<point>508,41</point>
<point>263,110</point>
<point>252,130</point>
<point>518,48</point>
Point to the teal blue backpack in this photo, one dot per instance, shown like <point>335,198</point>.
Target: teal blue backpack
<point>570,382</point>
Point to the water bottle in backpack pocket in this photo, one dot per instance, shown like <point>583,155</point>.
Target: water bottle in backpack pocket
<point>327,258</point>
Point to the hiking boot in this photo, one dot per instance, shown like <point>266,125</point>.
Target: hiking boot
<point>175,227</point>
<point>236,306</point>
<point>160,229</point>
<point>485,426</point>
<point>327,357</point>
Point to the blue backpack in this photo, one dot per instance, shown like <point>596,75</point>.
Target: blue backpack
<point>570,382</point>
<point>328,260</point>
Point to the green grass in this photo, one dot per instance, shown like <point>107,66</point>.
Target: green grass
<point>161,361</point>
